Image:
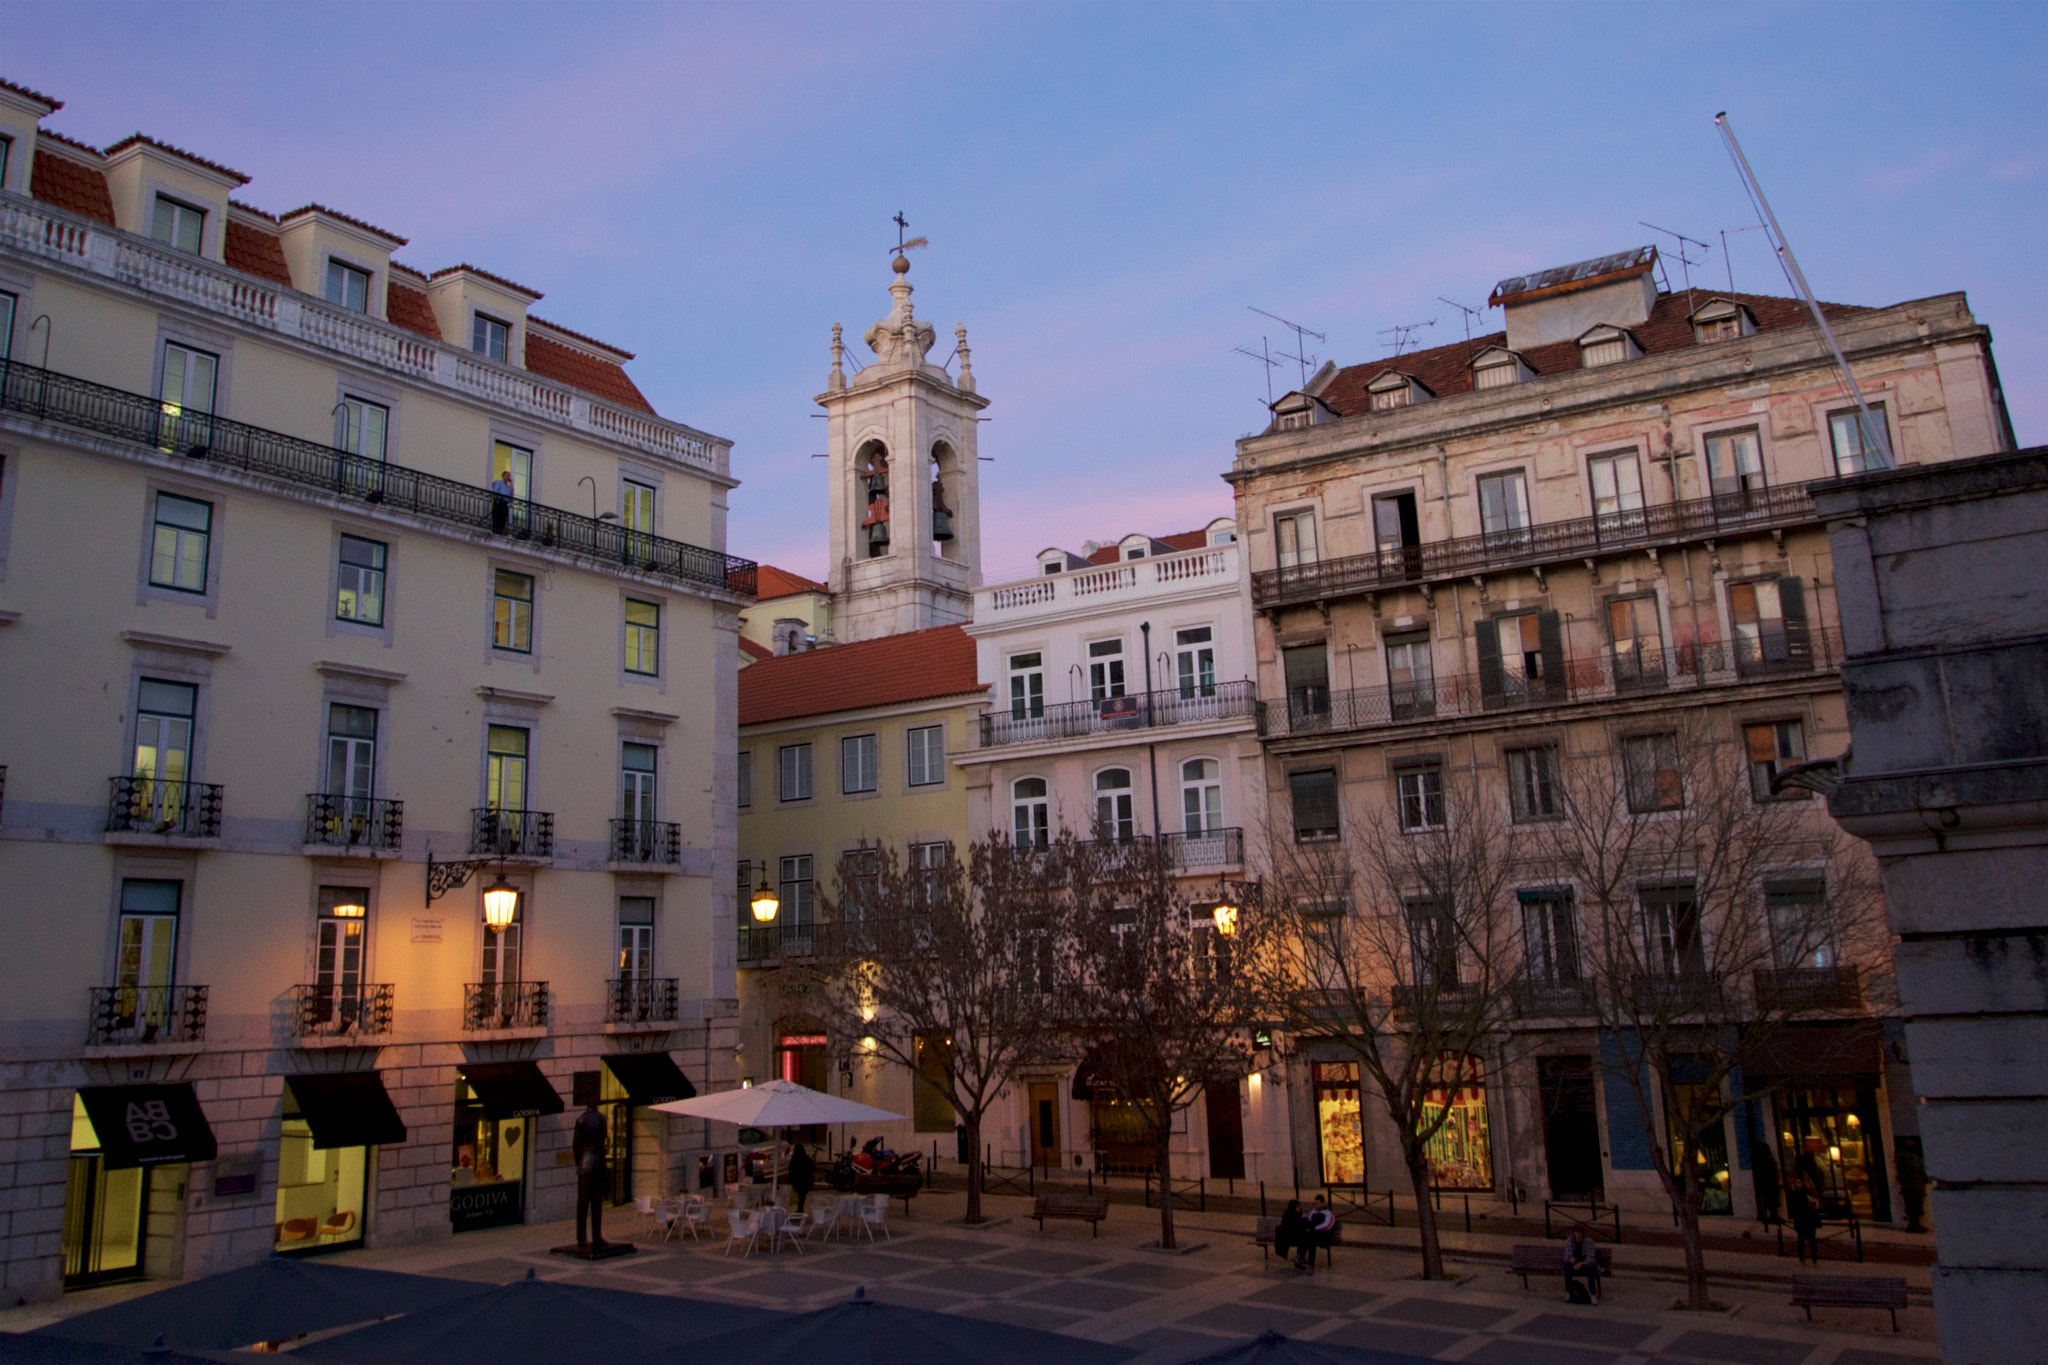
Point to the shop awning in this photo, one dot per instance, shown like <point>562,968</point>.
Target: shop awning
<point>512,1090</point>
<point>1818,1052</point>
<point>347,1109</point>
<point>650,1077</point>
<point>148,1125</point>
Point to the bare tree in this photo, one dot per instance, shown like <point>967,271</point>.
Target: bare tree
<point>946,971</point>
<point>1393,942</point>
<point>1152,988</point>
<point>1713,915</point>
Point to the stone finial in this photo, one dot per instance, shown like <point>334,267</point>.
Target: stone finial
<point>966,380</point>
<point>900,338</point>
<point>837,381</point>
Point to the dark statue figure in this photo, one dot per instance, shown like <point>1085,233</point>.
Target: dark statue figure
<point>591,1146</point>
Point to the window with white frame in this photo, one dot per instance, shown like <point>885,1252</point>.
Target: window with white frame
<point>490,337</point>
<point>1115,807</point>
<point>1027,686</point>
<point>1735,463</point>
<point>1606,346</point>
<point>1859,446</point>
<point>1294,539</point>
<point>512,611</point>
<point>1105,669</point>
<point>1637,638</point>
<point>860,880</point>
<point>1617,489</point>
<point>1419,792</point>
<point>177,225</point>
<point>180,543</point>
<point>1497,372</point>
<point>643,637</point>
<point>1201,797</point>
<point>1503,504</point>
<point>925,747</point>
<point>352,756</point>
<point>187,395</point>
<point>637,768</point>
<point>794,762</point>
<point>928,866</point>
<point>1030,813</point>
<point>1721,322</point>
<point>362,428</point>
<point>636,938</point>
<point>1672,943</point>
<point>1195,662</point>
<point>857,764</point>
<point>359,581</point>
<point>1773,746</point>
<point>1411,675</point>
<point>799,891</point>
<point>348,287</point>
<point>1532,783</point>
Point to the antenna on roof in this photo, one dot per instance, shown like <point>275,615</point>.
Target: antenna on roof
<point>1726,259</point>
<point>1685,262</point>
<point>1470,313</point>
<point>1264,357</point>
<point>1301,335</point>
<point>1404,332</point>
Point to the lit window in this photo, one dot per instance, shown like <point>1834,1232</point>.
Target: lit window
<point>490,337</point>
<point>794,764</point>
<point>178,225</point>
<point>927,755</point>
<point>360,580</point>
<point>857,764</point>
<point>1421,795</point>
<point>187,396</point>
<point>512,611</point>
<point>643,637</point>
<point>180,544</point>
<point>348,287</point>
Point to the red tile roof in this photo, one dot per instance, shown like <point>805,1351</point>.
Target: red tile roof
<point>1446,370</point>
<point>32,94</point>
<point>133,138</point>
<point>580,336</point>
<point>755,651</point>
<point>918,666</point>
<point>581,370</point>
<point>250,248</point>
<point>408,308</point>
<point>773,582</point>
<point>352,221</point>
<point>487,275</point>
<point>1179,540</point>
<point>66,184</point>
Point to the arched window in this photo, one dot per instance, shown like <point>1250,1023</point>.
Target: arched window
<point>1029,812</point>
<point>1113,806</point>
<point>1201,796</point>
<point>945,501</point>
<point>871,494</point>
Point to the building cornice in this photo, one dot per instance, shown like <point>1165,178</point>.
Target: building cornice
<point>328,668</point>
<point>151,640</point>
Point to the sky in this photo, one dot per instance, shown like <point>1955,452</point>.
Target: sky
<point>1108,189</point>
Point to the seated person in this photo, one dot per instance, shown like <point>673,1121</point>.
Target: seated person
<point>1322,1228</point>
<point>1581,1257</point>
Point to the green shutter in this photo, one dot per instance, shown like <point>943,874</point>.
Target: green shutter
<point>1491,684</point>
<point>1550,639</point>
<point>1792,605</point>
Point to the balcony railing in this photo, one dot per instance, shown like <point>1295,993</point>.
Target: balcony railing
<point>1797,990</point>
<point>217,442</point>
<point>1179,853</point>
<point>646,841</point>
<point>147,1014</point>
<point>1551,542</point>
<point>353,821</point>
<point>1648,672</point>
<point>1544,998</point>
<point>504,1004</point>
<point>341,1011</point>
<point>777,942</point>
<point>1138,711</point>
<point>150,805</point>
<point>640,1000</point>
<point>1680,993</point>
<point>512,833</point>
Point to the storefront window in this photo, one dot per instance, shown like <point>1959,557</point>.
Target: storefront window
<point>1123,1141</point>
<point>1460,1152</point>
<point>801,1057</point>
<point>102,1211</point>
<point>489,1168</point>
<point>1340,1124</point>
<point>1829,1137</point>
<point>1710,1154</point>
<point>319,1191</point>
<point>617,1107</point>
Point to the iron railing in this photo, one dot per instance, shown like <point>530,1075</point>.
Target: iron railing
<point>203,438</point>
<point>1695,519</point>
<point>147,1014</point>
<point>1651,671</point>
<point>1677,993</point>
<point>353,821</point>
<point>331,1010</point>
<point>646,841</point>
<point>504,1004</point>
<point>773,942</point>
<point>640,1000</point>
<point>1793,990</point>
<point>512,833</point>
<point>1137,711</point>
<point>150,805</point>
<point>1177,853</point>
<point>1543,998</point>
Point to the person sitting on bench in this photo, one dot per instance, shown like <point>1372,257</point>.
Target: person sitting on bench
<point>1291,1235</point>
<point>1581,1257</point>
<point>1322,1229</point>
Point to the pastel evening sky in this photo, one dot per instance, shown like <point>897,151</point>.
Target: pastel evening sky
<point>1106,188</point>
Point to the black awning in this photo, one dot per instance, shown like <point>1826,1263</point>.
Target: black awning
<point>512,1090</point>
<point>1820,1053</point>
<point>650,1077</point>
<point>148,1125</point>
<point>347,1109</point>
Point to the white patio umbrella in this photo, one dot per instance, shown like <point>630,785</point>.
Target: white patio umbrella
<point>775,1105</point>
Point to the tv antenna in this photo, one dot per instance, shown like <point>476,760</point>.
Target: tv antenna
<point>1726,259</point>
<point>1404,332</point>
<point>1300,355</point>
<point>1685,262</point>
<point>903,226</point>
<point>1265,357</point>
<point>1470,313</point>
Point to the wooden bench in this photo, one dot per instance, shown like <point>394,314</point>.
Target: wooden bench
<point>1848,1291</point>
<point>1086,1208</point>
<point>1547,1258</point>
<point>1262,1238</point>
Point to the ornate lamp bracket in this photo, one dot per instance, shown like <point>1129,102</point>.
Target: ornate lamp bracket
<point>445,877</point>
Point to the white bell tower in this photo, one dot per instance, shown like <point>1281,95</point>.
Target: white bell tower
<point>906,487</point>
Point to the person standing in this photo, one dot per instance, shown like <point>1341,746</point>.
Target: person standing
<point>1804,1215</point>
<point>501,502</point>
<point>589,1145</point>
<point>1581,1258</point>
<point>803,1175</point>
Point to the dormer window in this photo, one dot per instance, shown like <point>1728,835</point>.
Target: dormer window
<point>1497,369</point>
<point>1607,346</point>
<point>177,225</point>
<point>1394,390</point>
<point>1050,567</point>
<point>1722,320</point>
<point>490,337</point>
<point>348,287</point>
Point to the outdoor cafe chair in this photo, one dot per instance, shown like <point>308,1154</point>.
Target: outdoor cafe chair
<point>742,1225</point>
<point>643,1204</point>
<point>875,1214</point>
<point>693,1216</point>
<point>790,1227</point>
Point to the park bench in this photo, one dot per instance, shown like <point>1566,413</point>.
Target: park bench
<point>1262,1238</point>
<point>1848,1291</point>
<point>1547,1258</point>
<point>1086,1208</point>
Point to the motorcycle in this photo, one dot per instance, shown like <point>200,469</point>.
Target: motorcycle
<point>874,1169</point>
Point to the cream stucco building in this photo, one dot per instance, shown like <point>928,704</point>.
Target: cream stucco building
<point>306,647</point>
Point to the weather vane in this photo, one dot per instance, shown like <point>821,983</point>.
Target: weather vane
<point>902,225</point>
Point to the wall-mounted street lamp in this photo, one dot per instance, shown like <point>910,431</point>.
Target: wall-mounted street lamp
<point>501,903</point>
<point>765,902</point>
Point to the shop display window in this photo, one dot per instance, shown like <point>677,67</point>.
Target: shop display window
<point>1461,1152</point>
<point>1340,1123</point>
<point>488,1172</point>
<point>319,1190</point>
<point>1710,1155</point>
<point>1829,1136</point>
<point>103,1223</point>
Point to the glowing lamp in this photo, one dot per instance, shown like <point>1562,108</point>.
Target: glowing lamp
<point>1226,919</point>
<point>501,902</point>
<point>765,902</point>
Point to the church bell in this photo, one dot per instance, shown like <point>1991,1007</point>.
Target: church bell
<point>942,519</point>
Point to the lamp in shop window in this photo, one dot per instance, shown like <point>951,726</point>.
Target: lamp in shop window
<point>501,902</point>
<point>351,912</point>
<point>765,902</point>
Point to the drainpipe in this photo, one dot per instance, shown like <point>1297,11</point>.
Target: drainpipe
<point>1443,472</point>
<point>1151,749</point>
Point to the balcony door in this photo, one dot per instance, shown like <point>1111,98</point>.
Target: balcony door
<point>1397,535</point>
<point>351,767</point>
<point>338,944</point>
<point>146,963</point>
<point>505,784</point>
<point>1195,662</point>
<point>636,799</point>
<point>1115,810</point>
<point>163,750</point>
<point>501,965</point>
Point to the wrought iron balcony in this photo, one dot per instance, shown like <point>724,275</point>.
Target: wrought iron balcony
<point>1649,671</point>
<point>1797,990</point>
<point>1179,854</point>
<point>1677,993</point>
<point>353,821</point>
<point>646,841</point>
<point>1673,523</point>
<point>779,942</point>
<point>147,1014</point>
<point>150,805</point>
<point>1548,998</point>
<point>1138,711</point>
<point>48,396</point>
<point>640,1000</point>
<point>504,1004</point>
<point>341,1011</point>
<point>512,833</point>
